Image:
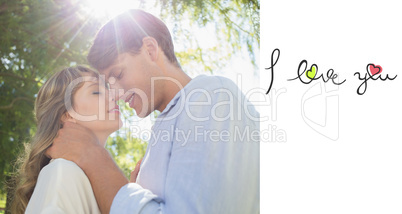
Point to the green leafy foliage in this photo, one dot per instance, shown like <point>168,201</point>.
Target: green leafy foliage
<point>126,151</point>
<point>2,202</point>
<point>37,38</point>
<point>235,24</point>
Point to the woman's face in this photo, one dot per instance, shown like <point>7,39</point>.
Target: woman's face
<point>95,108</point>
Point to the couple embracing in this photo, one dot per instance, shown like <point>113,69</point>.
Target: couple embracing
<point>208,162</point>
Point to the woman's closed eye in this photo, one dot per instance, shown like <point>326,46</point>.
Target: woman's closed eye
<point>120,74</point>
<point>96,92</point>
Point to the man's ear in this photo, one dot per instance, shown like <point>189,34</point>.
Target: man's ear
<point>67,117</point>
<point>151,46</point>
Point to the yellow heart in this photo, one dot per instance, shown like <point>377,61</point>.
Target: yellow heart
<point>312,72</point>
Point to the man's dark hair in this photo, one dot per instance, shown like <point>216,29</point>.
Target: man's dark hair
<point>124,33</point>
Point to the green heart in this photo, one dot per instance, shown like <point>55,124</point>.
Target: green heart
<point>312,72</point>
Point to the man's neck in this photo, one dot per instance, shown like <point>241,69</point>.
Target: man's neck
<point>176,80</point>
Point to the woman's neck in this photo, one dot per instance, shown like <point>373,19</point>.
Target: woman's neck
<point>102,138</point>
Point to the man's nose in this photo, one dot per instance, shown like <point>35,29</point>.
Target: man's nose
<point>115,89</point>
<point>113,83</point>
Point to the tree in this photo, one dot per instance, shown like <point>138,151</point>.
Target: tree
<point>40,37</point>
<point>37,38</point>
<point>236,25</point>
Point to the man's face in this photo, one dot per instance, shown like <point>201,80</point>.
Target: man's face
<point>131,79</point>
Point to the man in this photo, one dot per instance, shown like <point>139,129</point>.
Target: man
<point>203,156</point>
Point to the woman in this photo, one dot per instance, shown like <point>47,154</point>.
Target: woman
<point>77,95</point>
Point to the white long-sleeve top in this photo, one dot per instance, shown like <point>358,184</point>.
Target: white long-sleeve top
<point>62,188</point>
<point>202,157</point>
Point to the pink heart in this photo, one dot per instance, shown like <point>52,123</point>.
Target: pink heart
<point>375,69</point>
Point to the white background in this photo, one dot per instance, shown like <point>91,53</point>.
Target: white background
<point>353,162</point>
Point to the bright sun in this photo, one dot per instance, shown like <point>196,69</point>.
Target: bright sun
<point>110,8</point>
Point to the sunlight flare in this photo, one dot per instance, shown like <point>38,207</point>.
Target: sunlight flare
<point>110,8</point>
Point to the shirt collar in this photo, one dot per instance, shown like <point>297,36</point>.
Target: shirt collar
<point>181,93</point>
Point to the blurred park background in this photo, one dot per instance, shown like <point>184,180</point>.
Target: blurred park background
<point>39,37</point>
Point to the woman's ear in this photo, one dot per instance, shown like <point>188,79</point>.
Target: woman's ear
<point>67,117</point>
<point>151,46</point>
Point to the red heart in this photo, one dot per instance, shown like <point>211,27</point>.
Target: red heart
<point>375,69</point>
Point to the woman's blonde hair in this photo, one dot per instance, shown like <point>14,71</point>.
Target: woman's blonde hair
<point>49,109</point>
